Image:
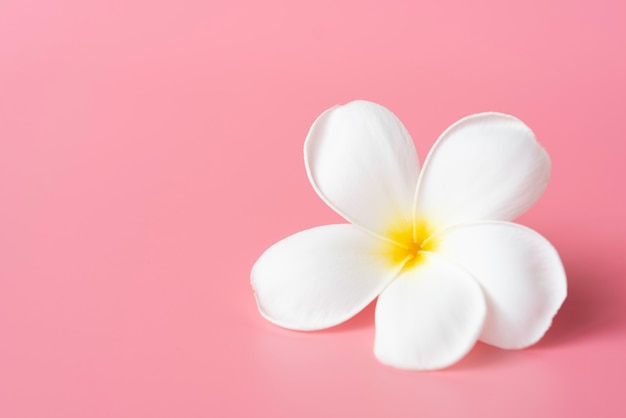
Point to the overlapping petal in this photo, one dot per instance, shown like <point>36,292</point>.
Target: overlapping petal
<point>320,277</point>
<point>362,162</point>
<point>521,275</point>
<point>429,317</point>
<point>480,278</point>
<point>486,166</point>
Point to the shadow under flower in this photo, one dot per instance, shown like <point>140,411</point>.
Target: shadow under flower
<point>592,306</point>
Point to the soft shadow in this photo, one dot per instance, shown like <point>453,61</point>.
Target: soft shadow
<point>481,356</point>
<point>592,306</point>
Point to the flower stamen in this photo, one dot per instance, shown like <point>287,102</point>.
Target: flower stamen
<point>410,244</point>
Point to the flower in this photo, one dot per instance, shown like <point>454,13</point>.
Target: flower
<point>435,246</point>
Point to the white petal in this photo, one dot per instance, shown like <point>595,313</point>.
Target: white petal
<point>429,317</point>
<point>486,166</point>
<point>320,277</point>
<point>520,273</point>
<point>362,162</point>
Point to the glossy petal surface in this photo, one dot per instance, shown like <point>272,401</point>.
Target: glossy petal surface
<point>486,166</point>
<point>429,317</point>
<point>320,277</point>
<point>521,275</point>
<point>362,162</point>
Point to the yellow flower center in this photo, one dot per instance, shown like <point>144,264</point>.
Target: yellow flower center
<point>410,242</point>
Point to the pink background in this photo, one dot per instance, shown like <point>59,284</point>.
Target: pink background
<point>151,151</point>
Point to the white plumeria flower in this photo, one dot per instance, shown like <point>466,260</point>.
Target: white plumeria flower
<point>435,246</point>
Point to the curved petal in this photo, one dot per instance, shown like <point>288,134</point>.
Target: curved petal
<point>429,317</point>
<point>361,161</point>
<point>320,277</point>
<point>520,273</point>
<point>486,166</point>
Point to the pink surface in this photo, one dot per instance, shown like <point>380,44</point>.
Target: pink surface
<point>150,151</point>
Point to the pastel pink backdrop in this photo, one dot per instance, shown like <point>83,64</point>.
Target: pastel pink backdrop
<point>151,151</point>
